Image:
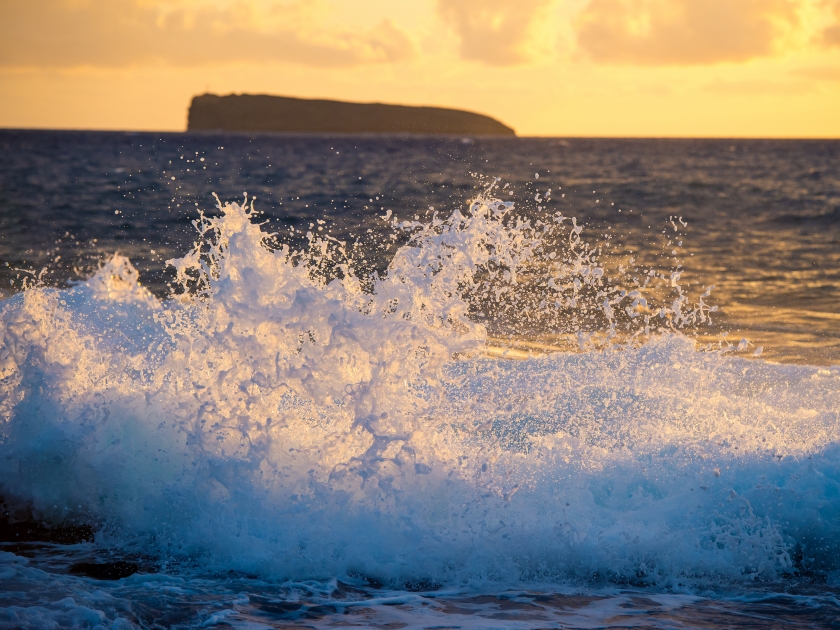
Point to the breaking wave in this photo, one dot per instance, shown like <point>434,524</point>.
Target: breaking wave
<point>280,415</point>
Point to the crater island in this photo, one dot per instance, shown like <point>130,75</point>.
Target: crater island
<point>260,112</point>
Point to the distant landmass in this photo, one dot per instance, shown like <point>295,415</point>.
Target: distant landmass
<point>259,112</point>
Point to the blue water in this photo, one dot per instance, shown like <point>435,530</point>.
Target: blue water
<point>418,382</point>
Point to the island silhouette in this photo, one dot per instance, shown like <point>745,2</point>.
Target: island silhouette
<point>261,112</point>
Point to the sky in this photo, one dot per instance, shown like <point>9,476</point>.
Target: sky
<point>661,68</point>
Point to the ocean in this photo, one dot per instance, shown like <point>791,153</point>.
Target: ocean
<point>277,381</point>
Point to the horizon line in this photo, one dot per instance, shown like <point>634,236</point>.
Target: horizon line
<point>435,135</point>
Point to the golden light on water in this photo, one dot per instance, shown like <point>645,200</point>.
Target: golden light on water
<point>767,68</point>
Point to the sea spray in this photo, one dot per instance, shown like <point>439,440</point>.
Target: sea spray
<point>280,415</point>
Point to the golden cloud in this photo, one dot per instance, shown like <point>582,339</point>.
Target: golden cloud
<point>831,35</point>
<point>113,33</point>
<point>759,87</point>
<point>821,73</point>
<point>670,32</point>
<point>496,32</point>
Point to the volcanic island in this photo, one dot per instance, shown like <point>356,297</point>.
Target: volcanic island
<point>264,113</point>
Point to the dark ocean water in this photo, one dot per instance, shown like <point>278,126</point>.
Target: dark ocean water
<point>283,452</point>
<point>763,215</point>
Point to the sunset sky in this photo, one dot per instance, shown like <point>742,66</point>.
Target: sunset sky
<point>545,67</point>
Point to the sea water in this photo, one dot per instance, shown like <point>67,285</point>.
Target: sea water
<point>418,382</point>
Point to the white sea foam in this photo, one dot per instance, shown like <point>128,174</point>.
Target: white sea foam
<point>270,421</point>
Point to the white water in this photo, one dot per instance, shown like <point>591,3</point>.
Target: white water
<point>269,422</point>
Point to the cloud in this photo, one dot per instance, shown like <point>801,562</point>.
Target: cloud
<point>683,32</point>
<point>759,87</point>
<point>821,73</point>
<point>831,35</point>
<point>115,33</point>
<point>496,32</point>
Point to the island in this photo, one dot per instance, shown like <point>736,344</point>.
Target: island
<point>260,112</point>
